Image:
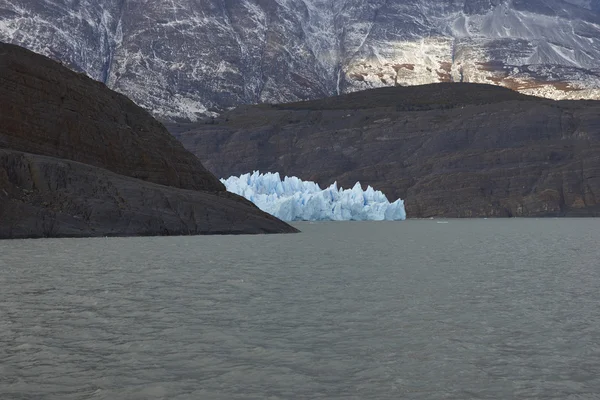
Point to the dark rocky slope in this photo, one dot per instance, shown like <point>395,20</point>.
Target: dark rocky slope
<point>452,150</point>
<point>48,109</point>
<point>77,159</point>
<point>49,197</point>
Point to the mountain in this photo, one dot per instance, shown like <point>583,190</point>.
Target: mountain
<point>183,59</point>
<point>448,149</point>
<point>77,159</point>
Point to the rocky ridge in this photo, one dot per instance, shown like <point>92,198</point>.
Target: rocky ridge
<point>449,150</point>
<point>185,59</point>
<point>77,159</point>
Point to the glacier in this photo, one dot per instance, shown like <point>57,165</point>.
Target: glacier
<point>293,199</point>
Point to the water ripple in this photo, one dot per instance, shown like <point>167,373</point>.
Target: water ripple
<point>472,309</point>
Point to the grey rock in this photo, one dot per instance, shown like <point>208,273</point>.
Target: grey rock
<point>449,150</point>
<point>48,197</point>
<point>77,159</point>
<point>186,59</point>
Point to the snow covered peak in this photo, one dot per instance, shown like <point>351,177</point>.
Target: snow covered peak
<point>293,199</point>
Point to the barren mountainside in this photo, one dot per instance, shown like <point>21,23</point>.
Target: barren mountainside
<point>48,109</point>
<point>188,58</point>
<point>77,159</point>
<point>449,150</point>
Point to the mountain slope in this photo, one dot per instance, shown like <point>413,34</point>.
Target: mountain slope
<point>188,58</point>
<point>77,159</point>
<point>449,150</point>
<point>48,109</point>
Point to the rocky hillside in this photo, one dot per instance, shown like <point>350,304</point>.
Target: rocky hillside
<point>189,58</point>
<point>48,109</point>
<point>77,159</point>
<point>449,150</point>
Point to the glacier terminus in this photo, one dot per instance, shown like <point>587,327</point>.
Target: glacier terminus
<point>293,199</point>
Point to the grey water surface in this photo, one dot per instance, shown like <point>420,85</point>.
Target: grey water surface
<point>468,309</point>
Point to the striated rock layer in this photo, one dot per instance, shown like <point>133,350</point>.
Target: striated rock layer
<point>189,58</point>
<point>77,159</point>
<point>49,197</point>
<point>449,150</point>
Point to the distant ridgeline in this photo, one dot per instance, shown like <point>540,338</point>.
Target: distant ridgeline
<point>449,149</point>
<point>292,199</point>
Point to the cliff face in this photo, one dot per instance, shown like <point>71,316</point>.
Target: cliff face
<point>190,58</point>
<point>452,150</point>
<point>77,159</point>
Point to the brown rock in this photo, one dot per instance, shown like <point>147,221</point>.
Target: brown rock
<point>451,150</point>
<point>77,159</point>
<point>50,110</point>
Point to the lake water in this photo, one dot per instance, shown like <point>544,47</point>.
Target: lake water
<point>468,309</point>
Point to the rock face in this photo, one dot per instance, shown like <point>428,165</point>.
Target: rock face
<point>449,150</point>
<point>189,58</point>
<point>77,159</point>
<point>49,197</point>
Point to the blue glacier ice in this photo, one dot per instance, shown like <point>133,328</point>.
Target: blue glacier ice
<point>292,199</point>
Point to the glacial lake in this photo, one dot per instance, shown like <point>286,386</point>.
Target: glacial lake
<point>420,309</point>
